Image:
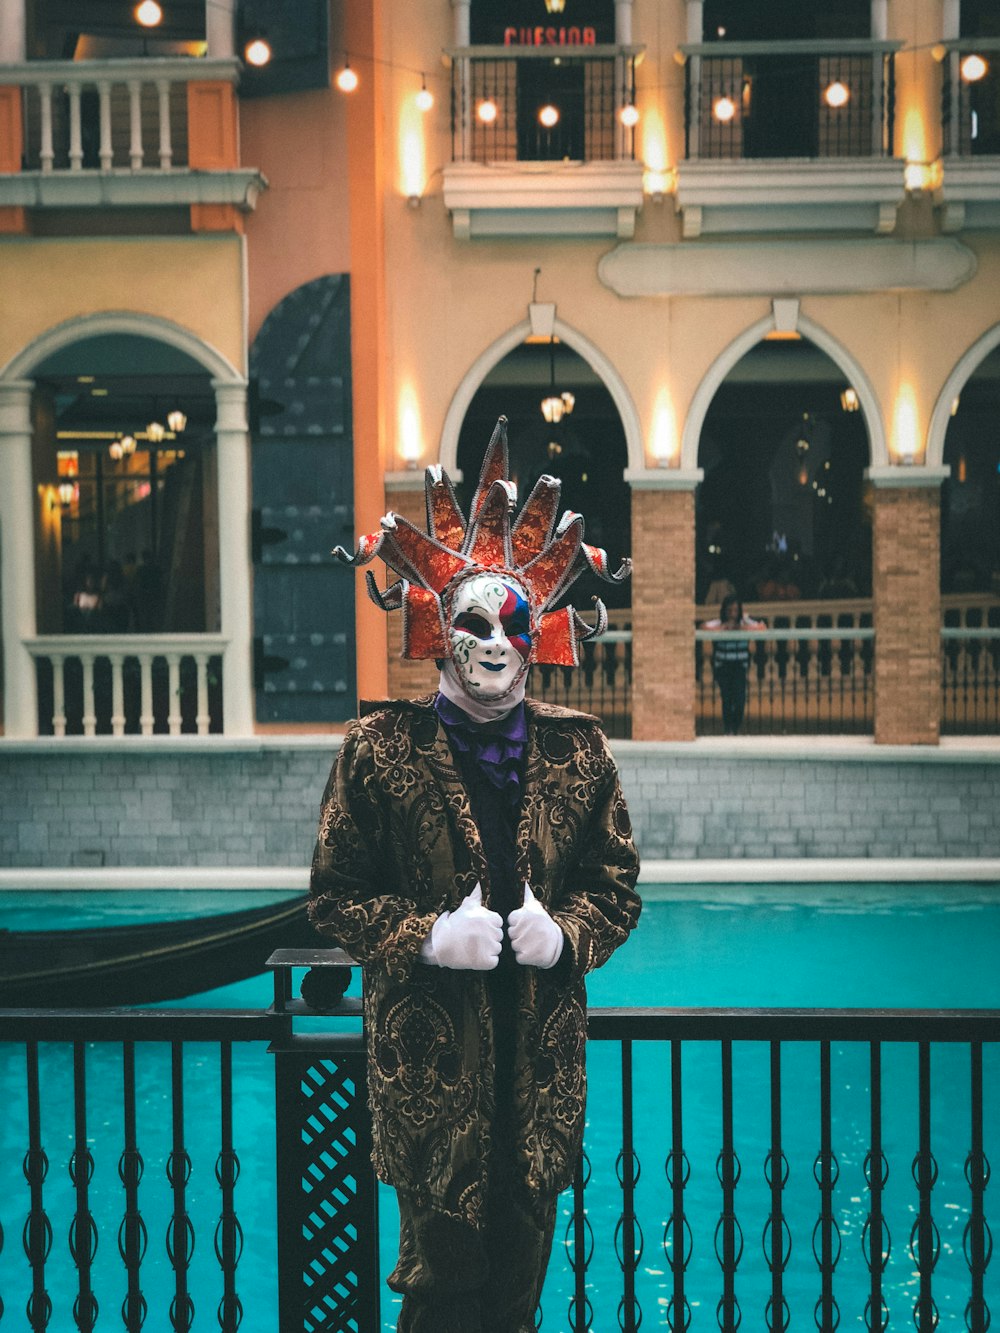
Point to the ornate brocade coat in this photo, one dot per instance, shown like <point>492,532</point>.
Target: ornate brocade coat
<point>398,845</point>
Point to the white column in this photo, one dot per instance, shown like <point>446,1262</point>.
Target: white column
<point>220,28</point>
<point>623,22</point>
<point>13,32</point>
<point>17,559</point>
<point>235,588</point>
<point>880,20</point>
<point>461,21</point>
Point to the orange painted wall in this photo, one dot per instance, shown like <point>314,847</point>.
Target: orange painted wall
<point>300,228</point>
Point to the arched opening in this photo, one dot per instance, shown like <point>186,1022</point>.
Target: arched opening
<point>584,445</point>
<point>784,521</point>
<point>970,552</point>
<point>124,470</point>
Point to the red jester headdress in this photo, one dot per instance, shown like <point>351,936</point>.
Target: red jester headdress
<point>543,555</point>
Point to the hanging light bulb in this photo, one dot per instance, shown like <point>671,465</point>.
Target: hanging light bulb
<point>629,115</point>
<point>849,400</point>
<point>128,445</point>
<point>724,109</point>
<point>973,68</point>
<point>257,52</point>
<point>487,111</point>
<point>569,401</point>
<point>425,98</point>
<point>548,116</point>
<point>553,409</point>
<point>155,432</point>
<point>837,94</point>
<point>176,420</point>
<point>347,80</point>
<point>149,14</point>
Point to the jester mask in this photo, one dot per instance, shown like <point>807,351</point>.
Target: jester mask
<point>480,593</point>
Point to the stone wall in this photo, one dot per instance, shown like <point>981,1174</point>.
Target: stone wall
<point>256,803</point>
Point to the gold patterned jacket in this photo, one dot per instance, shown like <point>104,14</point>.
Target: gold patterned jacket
<point>397,846</point>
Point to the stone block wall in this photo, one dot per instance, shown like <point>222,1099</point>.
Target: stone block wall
<point>257,804</point>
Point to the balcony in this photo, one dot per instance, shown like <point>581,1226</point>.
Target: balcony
<point>970,133</point>
<point>789,136</point>
<point>149,133</point>
<point>510,175</point>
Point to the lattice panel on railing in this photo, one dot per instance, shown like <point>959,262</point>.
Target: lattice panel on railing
<point>330,1224</point>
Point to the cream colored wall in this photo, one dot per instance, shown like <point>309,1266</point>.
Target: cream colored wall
<point>195,281</point>
<point>448,300</point>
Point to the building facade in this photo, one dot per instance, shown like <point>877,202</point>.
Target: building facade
<point>664,205</point>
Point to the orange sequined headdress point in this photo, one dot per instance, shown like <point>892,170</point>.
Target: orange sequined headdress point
<point>545,556</point>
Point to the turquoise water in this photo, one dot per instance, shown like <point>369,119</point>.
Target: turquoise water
<point>828,945</point>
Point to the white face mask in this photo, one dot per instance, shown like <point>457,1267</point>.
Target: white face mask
<point>490,635</point>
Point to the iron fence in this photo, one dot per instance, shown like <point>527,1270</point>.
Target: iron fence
<point>700,1134</point>
<point>584,88</point>
<point>970,678</point>
<point>970,97</point>
<point>807,680</point>
<point>789,100</point>
<point>601,684</point>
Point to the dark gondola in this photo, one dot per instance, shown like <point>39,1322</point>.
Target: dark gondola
<point>148,962</point>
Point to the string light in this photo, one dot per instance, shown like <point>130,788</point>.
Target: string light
<point>425,98</point>
<point>973,68</point>
<point>149,14</point>
<point>724,109</point>
<point>347,80</point>
<point>487,111</point>
<point>258,52</point>
<point>629,115</point>
<point>837,94</point>
<point>549,116</point>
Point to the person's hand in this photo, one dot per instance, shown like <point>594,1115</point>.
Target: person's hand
<point>535,938</point>
<point>468,939</point>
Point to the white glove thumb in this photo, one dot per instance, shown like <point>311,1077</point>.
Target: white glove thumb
<point>535,938</point>
<point>470,938</point>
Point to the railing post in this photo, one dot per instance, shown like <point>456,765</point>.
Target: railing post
<point>328,1269</point>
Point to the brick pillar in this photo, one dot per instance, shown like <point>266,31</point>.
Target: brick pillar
<point>906,604</point>
<point>663,644</point>
<point>404,494</point>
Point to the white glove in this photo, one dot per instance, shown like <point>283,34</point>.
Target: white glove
<point>535,938</point>
<point>470,938</point>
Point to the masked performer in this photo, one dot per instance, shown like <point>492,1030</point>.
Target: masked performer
<point>475,857</point>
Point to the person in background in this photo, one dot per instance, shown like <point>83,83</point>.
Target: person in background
<point>475,857</point>
<point>731,660</point>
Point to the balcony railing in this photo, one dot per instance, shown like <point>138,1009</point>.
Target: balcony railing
<point>587,86</point>
<point>123,131</point>
<point>820,1132</point>
<point>601,684</point>
<point>970,107</point>
<point>129,684</point>
<point>794,99</point>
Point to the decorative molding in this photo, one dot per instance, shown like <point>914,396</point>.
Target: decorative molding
<point>786,314</point>
<point>799,267</point>
<point>835,194</point>
<point>150,188</point>
<point>970,194</point>
<point>664,478</point>
<point>543,199</point>
<point>898,476</point>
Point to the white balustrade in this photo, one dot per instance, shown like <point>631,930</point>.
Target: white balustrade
<point>111,685</point>
<point>109,115</point>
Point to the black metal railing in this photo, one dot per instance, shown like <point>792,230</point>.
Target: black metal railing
<point>789,99</point>
<point>587,89</point>
<point>970,97</point>
<point>970,675</point>
<point>601,684</point>
<point>814,679</point>
<point>700,1093</point>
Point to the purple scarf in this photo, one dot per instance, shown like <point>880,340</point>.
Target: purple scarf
<point>497,748</point>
